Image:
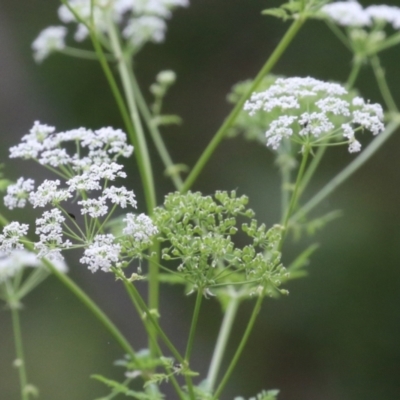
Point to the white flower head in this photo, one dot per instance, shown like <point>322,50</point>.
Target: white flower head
<point>335,116</point>
<point>147,28</point>
<point>12,234</point>
<point>94,207</point>
<point>141,20</point>
<point>37,140</point>
<point>140,227</point>
<point>48,192</point>
<point>49,40</point>
<point>347,13</point>
<point>50,223</point>
<point>120,196</point>
<point>102,254</point>
<point>13,262</point>
<point>18,193</point>
<point>385,13</point>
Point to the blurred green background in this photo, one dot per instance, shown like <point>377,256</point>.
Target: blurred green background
<point>337,335</point>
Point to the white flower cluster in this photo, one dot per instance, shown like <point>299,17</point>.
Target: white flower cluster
<point>312,109</point>
<point>13,262</point>
<point>140,227</point>
<point>143,21</point>
<point>49,40</point>
<point>86,174</point>
<point>351,13</point>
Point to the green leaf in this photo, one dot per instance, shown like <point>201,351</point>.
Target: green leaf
<point>276,12</point>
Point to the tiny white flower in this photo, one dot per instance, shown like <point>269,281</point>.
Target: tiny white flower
<point>54,157</point>
<point>12,233</point>
<point>107,171</point>
<point>140,226</point>
<point>50,223</point>
<point>37,140</point>
<point>49,40</point>
<point>354,147</point>
<point>348,131</point>
<point>146,28</point>
<point>315,124</point>
<point>18,194</point>
<point>102,254</point>
<point>48,192</point>
<point>94,207</point>
<point>278,130</point>
<point>85,181</point>
<point>385,13</point>
<point>120,196</point>
<point>347,13</point>
<point>334,105</point>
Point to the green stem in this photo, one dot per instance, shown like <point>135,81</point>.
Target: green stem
<point>20,362</point>
<point>124,68</point>
<point>222,341</point>
<point>85,54</point>
<point>355,70</point>
<point>193,325</point>
<point>389,42</point>
<point>151,335</point>
<point>85,299</point>
<point>312,168</point>
<point>155,134</point>
<point>240,348</point>
<point>294,199</point>
<point>334,183</point>
<point>215,141</point>
<point>138,138</point>
<point>143,306</point>
<point>339,34</point>
<point>382,84</point>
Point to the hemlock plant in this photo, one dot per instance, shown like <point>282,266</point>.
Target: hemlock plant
<point>191,238</point>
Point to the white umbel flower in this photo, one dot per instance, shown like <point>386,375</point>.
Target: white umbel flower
<point>12,234</point>
<point>102,254</point>
<point>347,13</point>
<point>94,207</point>
<point>18,194</point>
<point>140,226</point>
<point>120,196</point>
<point>298,96</point>
<point>49,40</point>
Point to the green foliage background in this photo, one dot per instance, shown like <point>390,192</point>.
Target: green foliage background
<point>336,336</point>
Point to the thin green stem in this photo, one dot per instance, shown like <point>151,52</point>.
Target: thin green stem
<point>334,183</point>
<point>124,68</point>
<point>142,152</point>
<point>382,84</point>
<point>339,34</point>
<point>312,167</point>
<point>155,134</point>
<point>355,70</point>
<point>85,54</point>
<point>151,335</point>
<point>193,325</point>
<point>86,300</point>
<point>389,42</point>
<point>20,361</point>
<point>143,306</point>
<point>229,121</point>
<point>240,348</point>
<point>222,341</point>
<point>295,196</point>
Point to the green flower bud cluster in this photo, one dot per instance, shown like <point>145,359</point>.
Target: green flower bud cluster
<point>198,233</point>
